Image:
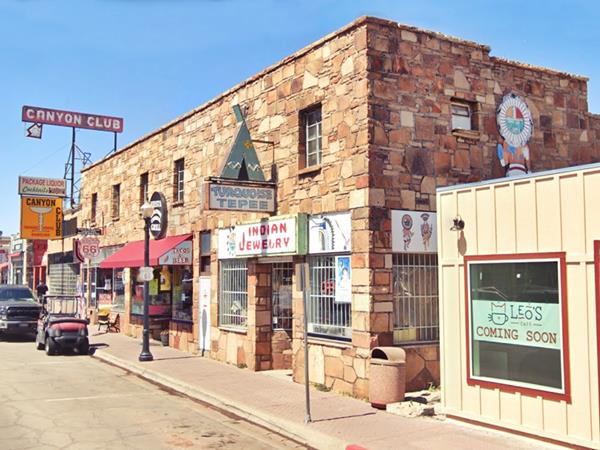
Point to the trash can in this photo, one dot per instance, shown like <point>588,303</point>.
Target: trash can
<point>387,377</point>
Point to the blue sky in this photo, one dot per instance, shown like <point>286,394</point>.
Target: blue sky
<point>150,61</point>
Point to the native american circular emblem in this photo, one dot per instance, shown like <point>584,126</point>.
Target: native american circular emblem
<point>514,120</point>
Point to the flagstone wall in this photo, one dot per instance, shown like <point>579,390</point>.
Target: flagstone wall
<point>385,92</point>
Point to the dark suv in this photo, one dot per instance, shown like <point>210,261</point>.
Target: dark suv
<point>19,310</point>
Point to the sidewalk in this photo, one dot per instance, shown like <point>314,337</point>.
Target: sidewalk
<point>279,404</point>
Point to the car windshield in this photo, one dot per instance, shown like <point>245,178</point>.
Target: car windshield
<point>16,294</point>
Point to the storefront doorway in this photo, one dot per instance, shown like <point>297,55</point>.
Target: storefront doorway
<point>281,307</point>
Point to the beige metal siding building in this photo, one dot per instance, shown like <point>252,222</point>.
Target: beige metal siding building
<point>529,253</point>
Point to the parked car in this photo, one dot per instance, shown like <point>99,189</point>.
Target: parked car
<point>19,310</point>
<point>59,329</point>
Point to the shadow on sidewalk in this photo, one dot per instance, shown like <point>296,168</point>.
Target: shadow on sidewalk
<point>331,419</point>
<point>175,357</point>
<point>94,347</point>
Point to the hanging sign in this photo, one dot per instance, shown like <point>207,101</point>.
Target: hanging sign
<point>329,233</point>
<point>158,221</point>
<point>236,197</point>
<point>41,217</point>
<point>89,247</point>
<point>273,236</point>
<point>71,119</point>
<point>49,187</point>
<point>413,232</point>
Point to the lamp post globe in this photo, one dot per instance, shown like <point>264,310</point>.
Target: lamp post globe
<point>146,212</point>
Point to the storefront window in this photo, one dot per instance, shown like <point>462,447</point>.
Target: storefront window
<point>415,277</point>
<point>329,313</point>
<point>233,293</point>
<point>118,290</point>
<point>516,323</point>
<point>104,289</point>
<point>159,291</point>
<point>182,293</point>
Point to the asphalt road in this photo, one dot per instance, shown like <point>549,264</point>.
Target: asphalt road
<point>76,402</point>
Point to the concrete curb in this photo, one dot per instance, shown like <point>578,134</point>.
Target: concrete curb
<point>300,433</point>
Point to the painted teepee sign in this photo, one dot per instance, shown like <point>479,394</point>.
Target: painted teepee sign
<point>242,163</point>
<point>241,185</point>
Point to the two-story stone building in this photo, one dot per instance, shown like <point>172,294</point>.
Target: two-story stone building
<point>354,133</point>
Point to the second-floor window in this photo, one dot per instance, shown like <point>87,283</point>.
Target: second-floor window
<point>116,201</point>
<point>94,207</point>
<point>463,115</point>
<point>178,181</point>
<point>143,188</point>
<point>311,123</point>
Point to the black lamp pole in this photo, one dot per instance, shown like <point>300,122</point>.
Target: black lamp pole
<point>146,355</point>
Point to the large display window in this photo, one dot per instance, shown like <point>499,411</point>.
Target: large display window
<point>170,293</point>
<point>517,323</point>
<point>159,290</point>
<point>110,289</point>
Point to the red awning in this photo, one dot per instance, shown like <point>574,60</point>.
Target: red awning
<point>3,266</point>
<point>132,254</point>
<point>15,255</point>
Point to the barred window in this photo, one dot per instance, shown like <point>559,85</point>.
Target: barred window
<point>233,293</point>
<point>326,317</point>
<point>281,285</point>
<point>415,287</point>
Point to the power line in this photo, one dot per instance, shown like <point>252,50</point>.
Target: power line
<point>62,148</point>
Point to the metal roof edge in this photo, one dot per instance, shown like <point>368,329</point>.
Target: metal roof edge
<point>529,176</point>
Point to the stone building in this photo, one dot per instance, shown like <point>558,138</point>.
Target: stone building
<point>354,132</point>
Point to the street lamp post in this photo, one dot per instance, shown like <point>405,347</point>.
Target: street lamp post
<point>147,211</point>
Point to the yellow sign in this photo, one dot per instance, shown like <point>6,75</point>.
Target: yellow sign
<point>41,218</point>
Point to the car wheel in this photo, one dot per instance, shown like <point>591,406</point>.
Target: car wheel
<point>84,348</point>
<point>50,346</point>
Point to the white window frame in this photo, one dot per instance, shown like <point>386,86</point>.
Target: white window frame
<point>313,135</point>
<point>462,115</point>
<point>326,317</point>
<point>233,293</point>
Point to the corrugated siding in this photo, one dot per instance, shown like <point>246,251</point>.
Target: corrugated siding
<point>549,213</point>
